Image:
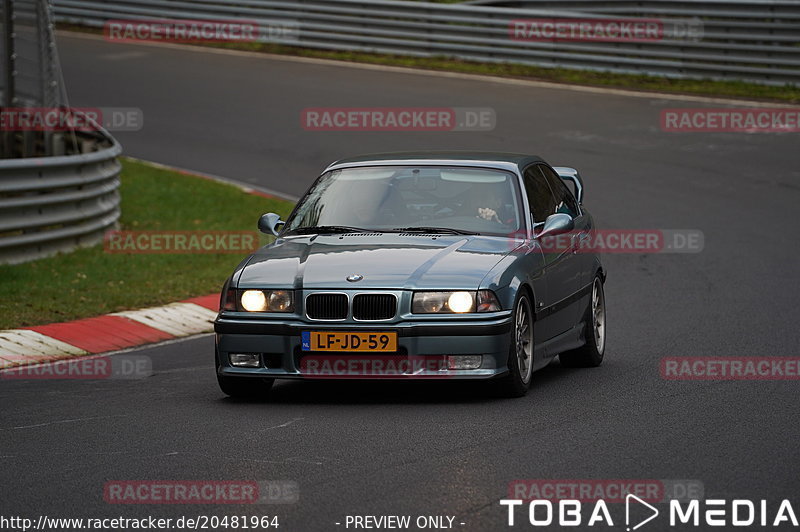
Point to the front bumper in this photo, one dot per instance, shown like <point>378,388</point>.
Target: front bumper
<point>422,343</point>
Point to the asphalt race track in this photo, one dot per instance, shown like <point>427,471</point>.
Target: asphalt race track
<point>443,448</point>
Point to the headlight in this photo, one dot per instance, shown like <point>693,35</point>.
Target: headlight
<point>259,300</point>
<point>279,301</point>
<point>444,302</point>
<point>460,302</point>
<point>430,302</point>
<point>254,301</point>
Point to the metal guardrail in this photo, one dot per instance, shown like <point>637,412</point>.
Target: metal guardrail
<point>59,185</point>
<point>31,76</point>
<point>749,40</point>
<point>52,204</point>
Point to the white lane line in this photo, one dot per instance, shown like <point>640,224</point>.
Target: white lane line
<point>59,422</point>
<point>443,74</point>
<point>22,342</point>
<point>177,319</point>
<point>282,425</point>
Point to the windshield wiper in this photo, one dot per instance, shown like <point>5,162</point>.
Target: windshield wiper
<point>436,230</point>
<point>327,229</point>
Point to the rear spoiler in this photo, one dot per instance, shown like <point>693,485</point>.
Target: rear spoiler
<point>570,174</point>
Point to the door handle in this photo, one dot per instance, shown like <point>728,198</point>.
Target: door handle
<point>577,240</point>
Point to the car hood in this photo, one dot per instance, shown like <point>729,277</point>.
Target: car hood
<point>387,261</point>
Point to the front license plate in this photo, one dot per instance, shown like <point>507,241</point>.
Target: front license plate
<point>376,342</point>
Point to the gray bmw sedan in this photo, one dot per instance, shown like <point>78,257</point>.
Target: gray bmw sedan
<point>418,265</point>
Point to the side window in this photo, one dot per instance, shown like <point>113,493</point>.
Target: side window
<point>565,201</point>
<point>540,197</point>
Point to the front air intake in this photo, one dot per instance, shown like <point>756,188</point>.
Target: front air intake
<point>374,307</point>
<point>326,306</point>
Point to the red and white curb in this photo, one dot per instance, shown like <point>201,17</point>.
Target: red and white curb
<point>112,332</point>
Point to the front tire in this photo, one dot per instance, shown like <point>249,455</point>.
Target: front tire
<point>590,355</point>
<point>520,356</point>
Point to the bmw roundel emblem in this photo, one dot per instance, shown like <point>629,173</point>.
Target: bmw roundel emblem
<point>355,277</point>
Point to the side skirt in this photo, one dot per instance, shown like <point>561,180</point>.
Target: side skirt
<point>566,341</point>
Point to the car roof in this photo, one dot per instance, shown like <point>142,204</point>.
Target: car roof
<point>499,160</point>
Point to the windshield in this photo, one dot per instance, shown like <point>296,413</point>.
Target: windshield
<point>386,198</point>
